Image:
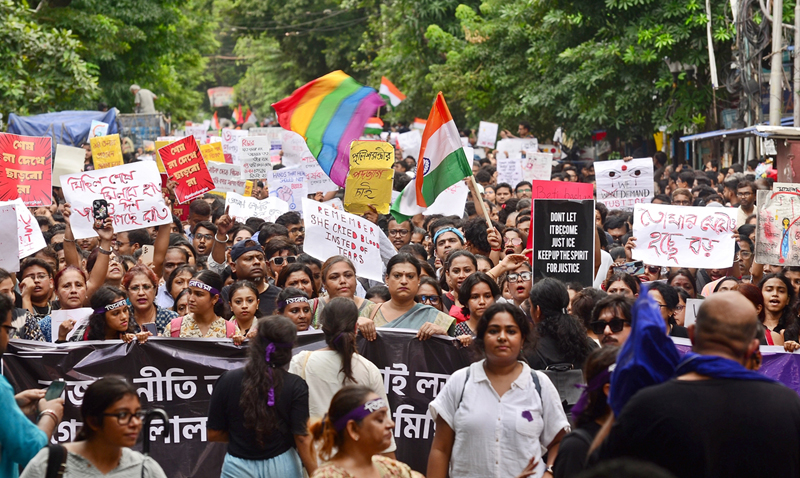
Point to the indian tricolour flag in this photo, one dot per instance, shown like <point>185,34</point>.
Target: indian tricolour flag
<point>442,165</point>
<point>390,92</point>
<point>419,124</point>
<point>374,126</point>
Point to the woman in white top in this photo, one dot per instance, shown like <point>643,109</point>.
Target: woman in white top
<point>329,369</point>
<point>497,415</point>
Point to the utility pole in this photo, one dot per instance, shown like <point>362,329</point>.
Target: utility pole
<point>796,75</point>
<point>776,70</point>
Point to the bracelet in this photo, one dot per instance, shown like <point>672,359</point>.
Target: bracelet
<point>103,251</point>
<point>48,413</point>
<point>497,250</point>
<point>227,238</point>
<point>69,240</point>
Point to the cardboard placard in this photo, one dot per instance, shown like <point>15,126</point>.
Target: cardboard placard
<point>9,238</point>
<point>212,152</point>
<point>69,160</point>
<point>487,134</point>
<point>184,163</point>
<point>254,156</point>
<point>97,128</point>
<point>777,229</point>
<point>228,178</point>
<point>27,169</point>
<point>563,241</point>
<point>558,190</point>
<point>513,147</point>
<point>509,171</point>
<point>288,185</point>
<point>231,143</point>
<point>623,184</point>
<point>369,181</point>
<point>106,151</point>
<point>242,207</point>
<point>536,166</point>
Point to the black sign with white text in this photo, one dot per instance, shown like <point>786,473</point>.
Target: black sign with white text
<point>563,240</point>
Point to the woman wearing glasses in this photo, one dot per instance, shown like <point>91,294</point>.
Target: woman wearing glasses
<point>279,253</point>
<point>141,283</point>
<point>402,311</point>
<point>112,420</point>
<point>429,293</point>
<point>514,241</point>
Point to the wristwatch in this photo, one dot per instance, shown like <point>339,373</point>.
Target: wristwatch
<point>549,469</point>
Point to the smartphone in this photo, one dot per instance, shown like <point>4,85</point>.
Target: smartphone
<point>634,268</point>
<point>55,389</point>
<point>100,209</point>
<point>151,327</point>
<point>147,255</point>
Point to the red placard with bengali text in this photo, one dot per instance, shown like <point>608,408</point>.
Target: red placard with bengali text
<point>558,190</point>
<point>27,169</point>
<point>184,163</point>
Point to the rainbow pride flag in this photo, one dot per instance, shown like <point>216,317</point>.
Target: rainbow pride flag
<point>330,113</point>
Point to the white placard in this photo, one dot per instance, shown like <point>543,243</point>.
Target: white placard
<point>228,178</point>
<point>133,192</point>
<point>622,184</point>
<point>692,306</point>
<point>231,142</point>
<point>288,185</point>
<point>684,236</point>
<point>450,202</point>
<point>509,170</point>
<point>30,235</point>
<point>513,147</point>
<point>199,132</point>
<point>330,232</point>
<point>69,159</point>
<point>295,150</point>
<point>487,134</point>
<point>335,203</point>
<point>242,208</point>
<point>9,240</point>
<point>537,166</point>
<point>254,153</point>
<point>409,143</point>
<point>57,317</point>
<point>316,179</point>
<point>97,128</point>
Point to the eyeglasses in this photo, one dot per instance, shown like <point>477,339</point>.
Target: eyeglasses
<point>398,232</point>
<point>137,288</point>
<point>10,330</point>
<point>39,277</point>
<point>278,261</point>
<point>522,276</point>
<point>523,190</point>
<point>616,325</point>
<point>745,254</point>
<point>432,299</point>
<point>679,308</point>
<point>203,237</point>
<point>124,418</point>
<point>514,242</point>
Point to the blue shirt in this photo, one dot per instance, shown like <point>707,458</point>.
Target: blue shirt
<point>20,439</point>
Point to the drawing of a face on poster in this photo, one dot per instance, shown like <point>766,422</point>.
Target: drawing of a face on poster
<point>625,175</point>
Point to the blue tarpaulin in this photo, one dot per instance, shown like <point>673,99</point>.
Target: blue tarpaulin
<point>65,127</point>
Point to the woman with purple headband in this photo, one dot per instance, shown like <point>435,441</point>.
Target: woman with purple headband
<point>329,369</point>
<point>356,428</point>
<point>205,310</point>
<point>261,410</point>
<point>109,320</point>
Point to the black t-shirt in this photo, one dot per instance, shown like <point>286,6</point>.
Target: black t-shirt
<point>224,414</point>
<point>266,299</point>
<point>572,452</point>
<point>711,428</point>
<point>547,352</point>
<point>679,331</point>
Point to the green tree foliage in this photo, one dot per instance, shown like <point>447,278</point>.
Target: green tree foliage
<point>161,45</point>
<point>41,68</point>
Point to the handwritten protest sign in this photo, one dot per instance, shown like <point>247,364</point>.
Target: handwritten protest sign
<point>777,230</point>
<point>242,207</point>
<point>316,179</point>
<point>509,171</point>
<point>228,178</point>
<point>558,190</point>
<point>69,159</point>
<point>185,164</point>
<point>487,134</point>
<point>133,192</point>
<point>288,185</point>
<point>27,169</point>
<point>563,233</point>
<point>295,150</point>
<point>199,132</point>
<point>684,236</point>
<point>30,235</point>
<point>97,128</point>
<point>231,143</point>
<point>369,181</point>
<point>254,156</point>
<point>410,143</point>
<point>57,317</point>
<point>212,152</point>
<point>537,166</point>
<point>622,184</point>
<point>106,151</point>
<point>450,202</point>
<point>692,306</point>
<point>330,232</point>
<point>9,239</point>
<point>513,147</point>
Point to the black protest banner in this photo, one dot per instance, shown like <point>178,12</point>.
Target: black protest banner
<point>178,375</point>
<point>563,240</point>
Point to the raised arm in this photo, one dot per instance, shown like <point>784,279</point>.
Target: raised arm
<point>71,255</point>
<point>97,277</point>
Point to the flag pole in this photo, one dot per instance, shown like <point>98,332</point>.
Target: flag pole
<point>477,199</point>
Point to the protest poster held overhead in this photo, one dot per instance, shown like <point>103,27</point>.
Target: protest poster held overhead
<point>29,233</point>
<point>185,164</point>
<point>212,152</point>
<point>514,147</point>
<point>684,236</point>
<point>231,143</point>
<point>106,151</point>
<point>330,232</point>
<point>777,230</point>
<point>487,134</point>
<point>27,169</point>
<point>623,184</point>
<point>133,193</point>
<point>288,185</point>
<point>509,171</point>
<point>557,190</point>
<point>563,241</point>
<point>243,207</point>
<point>369,182</point>
<point>536,166</point>
<point>9,238</point>
<point>68,160</point>
<point>254,156</point>
<point>228,178</point>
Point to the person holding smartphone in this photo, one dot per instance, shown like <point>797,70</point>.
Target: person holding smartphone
<point>20,438</point>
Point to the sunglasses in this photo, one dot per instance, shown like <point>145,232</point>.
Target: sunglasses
<point>278,261</point>
<point>433,299</point>
<point>522,276</point>
<point>616,325</point>
<point>515,241</point>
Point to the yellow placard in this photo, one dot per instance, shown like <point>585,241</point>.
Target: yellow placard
<point>159,145</point>
<point>248,188</point>
<point>212,152</point>
<point>369,182</point>
<point>106,151</point>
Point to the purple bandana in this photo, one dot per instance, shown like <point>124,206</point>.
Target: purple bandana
<point>359,413</point>
<point>271,347</point>
<point>115,305</point>
<point>598,381</point>
<point>204,286</point>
